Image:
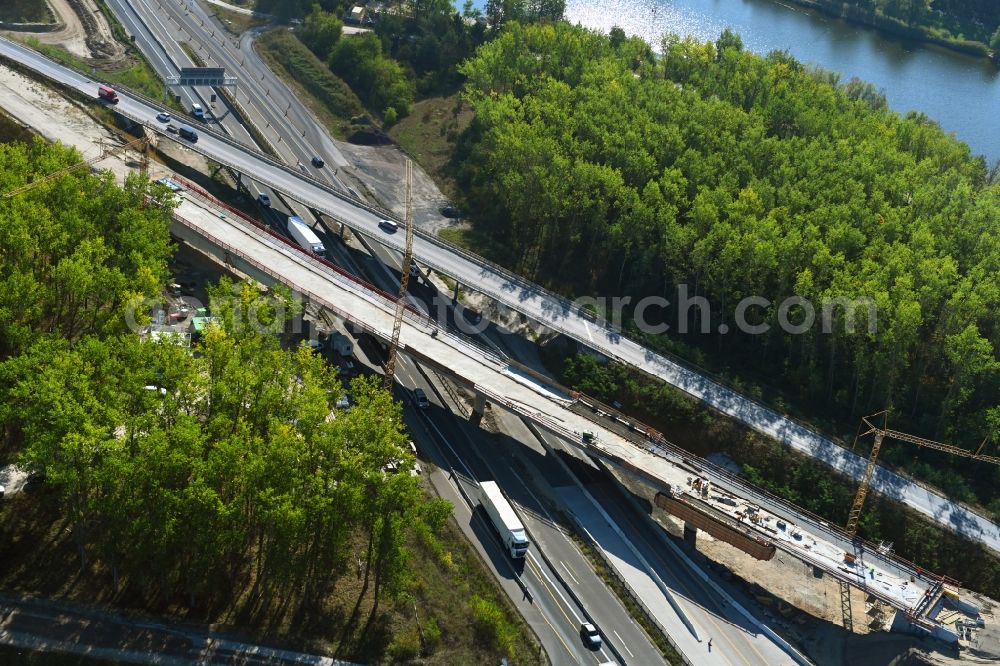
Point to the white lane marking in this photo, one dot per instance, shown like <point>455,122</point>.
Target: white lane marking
<point>569,572</point>
<point>623,644</point>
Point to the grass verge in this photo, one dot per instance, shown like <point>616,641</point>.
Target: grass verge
<point>25,11</point>
<point>235,22</point>
<point>134,74</point>
<point>11,130</point>
<point>326,95</point>
<point>430,135</point>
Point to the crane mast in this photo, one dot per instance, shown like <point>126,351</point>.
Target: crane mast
<point>404,282</point>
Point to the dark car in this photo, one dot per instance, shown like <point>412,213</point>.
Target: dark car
<point>318,162</point>
<point>420,398</point>
<point>451,211</point>
<point>172,128</point>
<point>388,225</point>
<point>590,635</point>
<point>264,200</point>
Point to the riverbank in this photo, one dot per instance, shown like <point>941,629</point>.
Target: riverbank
<point>896,27</point>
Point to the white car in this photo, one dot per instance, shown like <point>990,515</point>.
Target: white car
<point>163,117</point>
<point>416,465</point>
<point>197,111</point>
<point>590,635</point>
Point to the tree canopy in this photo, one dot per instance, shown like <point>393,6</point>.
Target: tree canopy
<point>73,250</point>
<point>193,472</point>
<point>605,171</point>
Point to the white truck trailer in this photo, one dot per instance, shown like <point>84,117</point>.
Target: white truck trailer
<point>305,236</point>
<point>341,344</point>
<point>506,522</point>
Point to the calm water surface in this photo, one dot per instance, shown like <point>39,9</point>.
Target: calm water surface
<point>959,92</point>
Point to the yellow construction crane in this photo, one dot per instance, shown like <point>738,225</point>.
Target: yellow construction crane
<point>882,432</point>
<point>140,145</point>
<point>404,281</point>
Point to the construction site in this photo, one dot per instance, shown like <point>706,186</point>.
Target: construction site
<point>799,562</point>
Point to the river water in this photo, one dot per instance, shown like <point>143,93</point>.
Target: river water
<point>960,92</point>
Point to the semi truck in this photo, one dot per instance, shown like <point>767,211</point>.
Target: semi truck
<point>305,236</point>
<point>504,520</point>
<point>341,344</point>
<point>107,94</point>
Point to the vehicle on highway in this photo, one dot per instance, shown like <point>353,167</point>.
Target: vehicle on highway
<point>388,225</point>
<point>187,132</point>
<point>341,344</point>
<point>172,128</point>
<point>107,94</point>
<point>163,117</point>
<point>414,271</point>
<point>590,635</point>
<point>417,469</point>
<point>504,519</point>
<point>197,111</point>
<point>451,211</point>
<point>305,236</point>
<point>264,200</point>
<point>318,162</point>
<point>420,398</point>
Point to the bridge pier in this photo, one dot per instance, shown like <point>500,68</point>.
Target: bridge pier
<point>478,409</point>
<point>691,534</point>
<point>454,296</point>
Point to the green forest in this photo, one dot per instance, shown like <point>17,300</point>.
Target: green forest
<point>601,170</point>
<point>406,54</point>
<point>972,26</point>
<point>221,483</point>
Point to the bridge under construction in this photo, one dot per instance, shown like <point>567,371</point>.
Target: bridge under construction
<point>704,496</point>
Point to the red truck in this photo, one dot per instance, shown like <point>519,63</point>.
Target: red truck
<point>107,94</point>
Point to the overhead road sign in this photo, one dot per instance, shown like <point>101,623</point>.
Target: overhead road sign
<point>202,76</point>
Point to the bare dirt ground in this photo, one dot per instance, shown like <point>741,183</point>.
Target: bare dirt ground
<point>86,32</point>
<point>58,119</point>
<point>381,171</point>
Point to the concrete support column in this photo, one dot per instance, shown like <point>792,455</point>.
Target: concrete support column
<point>690,534</point>
<point>454,296</point>
<point>478,409</point>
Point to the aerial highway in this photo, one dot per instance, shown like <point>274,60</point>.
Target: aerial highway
<point>523,296</point>
<point>494,379</point>
<point>271,259</point>
<point>574,487</point>
<point>289,129</point>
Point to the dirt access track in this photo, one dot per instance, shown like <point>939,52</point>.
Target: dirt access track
<point>85,32</point>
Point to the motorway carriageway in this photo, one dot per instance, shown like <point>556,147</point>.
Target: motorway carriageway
<point>531,300</point>
<point>268,258</point>
<point>493,377</point>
